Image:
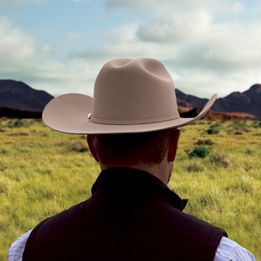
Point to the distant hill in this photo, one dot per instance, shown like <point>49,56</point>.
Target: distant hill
<point>248,101</point>
<point>18,99</point>
<point>237,105</point>
<point>189,101</point>
<point>18,95</point>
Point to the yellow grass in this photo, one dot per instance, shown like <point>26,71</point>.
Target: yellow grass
<point>43,172</point>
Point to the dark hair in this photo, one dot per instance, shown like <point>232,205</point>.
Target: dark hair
<point>149,147</point>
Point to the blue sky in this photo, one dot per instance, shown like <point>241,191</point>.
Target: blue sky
<point>208,46</point>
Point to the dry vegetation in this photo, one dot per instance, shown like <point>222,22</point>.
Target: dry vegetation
<point>217,169</point>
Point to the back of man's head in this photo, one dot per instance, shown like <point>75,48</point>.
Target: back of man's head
<point>134,148</point>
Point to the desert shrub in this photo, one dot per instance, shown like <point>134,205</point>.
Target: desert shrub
<point>2,166</point>
<point>15,123</point>
<point>3,187</point>
<point>220,160</point>
<point>45,171</point>
<point>215,124</point>
<point>78,147</point>
<point>3,151</point>
<point>249,152</point>
<point>42,133</point>
<point>256,124</point>
<point>194,168</point>
<point>207,199</point>
<point>239,127</point>
<point>18,133</point>
<point>243,129</point>
<point>198,151</point>
<point>242,186</point>
<point>204,142</point>
<point>213,129</point>
<point>201,122</point>
<point>18,123</point>
<point>240,123</point>
<point>248,166</point>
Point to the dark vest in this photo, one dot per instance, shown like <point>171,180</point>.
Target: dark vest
<point>131,215</point>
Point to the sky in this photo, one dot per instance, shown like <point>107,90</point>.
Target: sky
<point>208,46</point>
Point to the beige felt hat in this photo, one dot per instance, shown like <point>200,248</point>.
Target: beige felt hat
<point>130,95</point>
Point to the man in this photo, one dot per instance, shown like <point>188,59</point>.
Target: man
<point>132,126</point>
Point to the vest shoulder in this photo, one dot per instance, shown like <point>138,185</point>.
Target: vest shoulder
<point>150,225</point>
<point>189,222</point>
<point>60,223</point>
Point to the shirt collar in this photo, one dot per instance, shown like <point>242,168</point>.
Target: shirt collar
<point>128,181</point>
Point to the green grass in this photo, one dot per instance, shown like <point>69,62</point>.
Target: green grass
<point>42,172</point>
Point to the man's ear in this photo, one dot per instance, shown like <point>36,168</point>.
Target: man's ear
<point>173,144</point>
<point>92,148</point>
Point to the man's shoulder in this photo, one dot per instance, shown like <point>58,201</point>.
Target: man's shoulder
<point>59,222</point>
<point>190,221</point>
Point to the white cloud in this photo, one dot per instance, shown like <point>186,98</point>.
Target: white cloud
<point>73,35</point>
<point>187,27</point>
<point>125,43</point>
<point>22,59</point>
<point>228,6</point>
<point>201,41</point>
<point>203,52</point>
<point>114,4</point>
<point>14,45</point>
<point>18,2</point>
<point>206,83</point>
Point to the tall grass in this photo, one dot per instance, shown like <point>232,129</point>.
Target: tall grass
<point>42,172</point>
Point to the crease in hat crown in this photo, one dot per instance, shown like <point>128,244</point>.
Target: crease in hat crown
<point>133,91</point>
<point>130,96</point>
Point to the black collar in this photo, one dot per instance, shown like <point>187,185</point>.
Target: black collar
<point>133,181</point>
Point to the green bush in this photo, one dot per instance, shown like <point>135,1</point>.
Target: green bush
<point>249,152</point>
<point>238,127</point>
<point>3,151</point>
<point>213,130</point>
<point>199,152</point>
<point>18,123</point>
<point>256,124</point>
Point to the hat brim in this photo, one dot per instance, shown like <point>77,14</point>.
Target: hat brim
<point>69,114</point>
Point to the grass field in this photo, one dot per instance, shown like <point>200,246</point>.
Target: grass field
<point>218,169</point>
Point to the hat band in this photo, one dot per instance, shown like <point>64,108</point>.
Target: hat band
<point>132,122</point>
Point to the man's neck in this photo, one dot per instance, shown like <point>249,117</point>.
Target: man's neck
<point>160,170</point>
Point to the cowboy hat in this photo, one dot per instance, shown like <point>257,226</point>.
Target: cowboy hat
<point>130,96</point>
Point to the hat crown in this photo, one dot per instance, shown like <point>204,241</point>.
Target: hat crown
<point>133,91</point>
<point>130,96</point>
